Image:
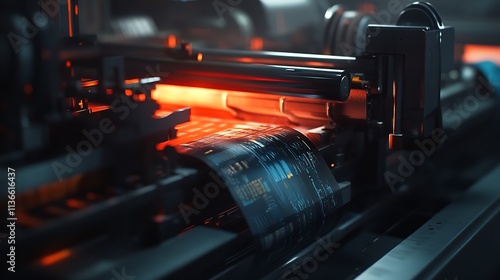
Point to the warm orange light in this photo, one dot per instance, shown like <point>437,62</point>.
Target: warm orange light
<point>55,257</point>
<point>199,57</point>
<point>75,203</point>
<point>202,97</point>
<point>318,64</point>
<point>256,44</point>
<point>195,96</point>
<point>132,81</point>
<point>186,229</point>
<point>70,20</point>
<point>140,97</point>
<point>76,10</point>
<point>246,60</point>
<point>109,91</point>
<point>159,218</point>
<point>128,92</point>
<point>68,63</point>
<point>236,102</point>
<point>27,220</point>
<point>479,53</point>
<point>90,83</point>
<point>171,41</point>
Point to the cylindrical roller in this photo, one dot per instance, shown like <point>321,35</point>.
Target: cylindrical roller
<point>282,58</point>
<point>238,56</point>
<point>345,31</point>
<point>349,63</point>
<point>328,84</point>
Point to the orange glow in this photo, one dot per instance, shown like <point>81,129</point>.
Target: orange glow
<point>128,92</point>
<point>316,64</point>
<point>97,108</point>
<point>109,91</point>
<point>90,83</point>
<point>164,93</point>
<point>199,57</point>
<point>171,41</point>
<point>75,203</point>
<point>70,20</point>
<point>27,220</point>
<point>159,218</point>
<point>274,61</point>
<point>367,8</point>
<point>76,10</point>
<point>192,96</point>
<point>479,53</point>
<point>213,102</point>
<point>140,97</point>
<point>90,196</point>
<point>28,88</point>
<point>68,63</point>
<point>256,44</point>
<point>55,257</point>
<point>132,81</point>
<point>186,229</point>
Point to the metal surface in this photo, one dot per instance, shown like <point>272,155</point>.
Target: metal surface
<point>330,84</point>
<point>452,244</point>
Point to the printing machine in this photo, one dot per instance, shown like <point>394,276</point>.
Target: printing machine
<point>250,139</point>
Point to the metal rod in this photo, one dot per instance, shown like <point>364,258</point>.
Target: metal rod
<point>353,64</point>
<point>329,84</point>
